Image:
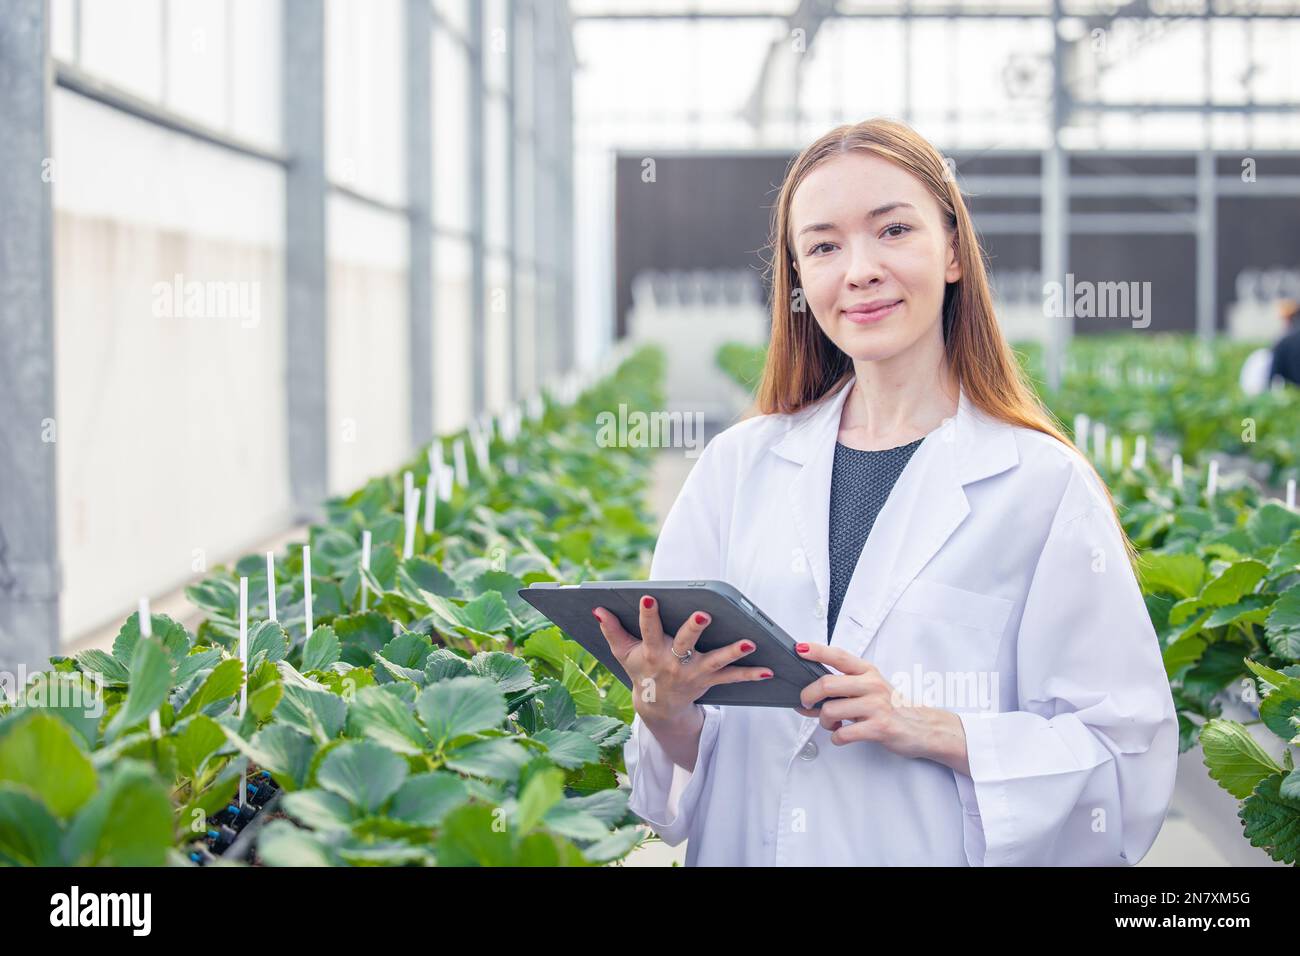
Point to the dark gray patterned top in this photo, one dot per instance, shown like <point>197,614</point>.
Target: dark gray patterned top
<point>860,484</point>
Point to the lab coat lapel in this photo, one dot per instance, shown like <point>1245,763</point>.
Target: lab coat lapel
<point>925,507</point>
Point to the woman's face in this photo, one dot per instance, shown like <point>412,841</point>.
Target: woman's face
<point>866,232</point>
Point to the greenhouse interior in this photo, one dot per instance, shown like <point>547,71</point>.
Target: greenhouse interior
<point>350,346</point>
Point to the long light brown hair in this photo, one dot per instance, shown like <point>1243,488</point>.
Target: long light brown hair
<point>805,367</point>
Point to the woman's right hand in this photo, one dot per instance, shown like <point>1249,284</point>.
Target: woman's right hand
<point>663,688</point>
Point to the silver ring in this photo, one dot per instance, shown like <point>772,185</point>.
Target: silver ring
<point>682,657</point>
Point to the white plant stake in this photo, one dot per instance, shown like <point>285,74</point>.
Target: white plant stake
<point>412,512</point>
<point>270,585</point>
<point>408,485</point>
<point>462,468</point>
<point>243,661</point>
<point>1290,493</point>
<point>430,502</point>
<point>436,460</point>
<point>1098,442</point>
<point>1081,432</point>
<point>365,565</point>
<point>146,630</point>
<point>444,482</point>
<point>1212,480</point>
<point>1116,453</point>
<point>1177,477</point>
<point>306,584</point>
<point>1140,453</point>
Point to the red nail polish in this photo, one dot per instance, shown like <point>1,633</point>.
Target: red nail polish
<point>801,648</point>
<point>766,674</point>
<point>647,602</point>
<point>746,646</point>
<point>701,619</point>
<point>595,614</point>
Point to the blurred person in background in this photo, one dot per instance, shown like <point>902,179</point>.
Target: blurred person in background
<point>1286,354</point>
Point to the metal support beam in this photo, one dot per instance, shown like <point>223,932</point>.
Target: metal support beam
<point>419,200</point>
<point>477,214</point>
<point>305,254</point>
<point>1207,278</point>
<point>1055,207</point>
<point>565,312</point>
<point>544,192</point>
<point>29,541</point>
<point>511,28</point>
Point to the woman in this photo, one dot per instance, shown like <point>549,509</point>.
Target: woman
<point>999,696</point>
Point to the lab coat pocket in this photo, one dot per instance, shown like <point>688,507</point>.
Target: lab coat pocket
<point>939,646</point>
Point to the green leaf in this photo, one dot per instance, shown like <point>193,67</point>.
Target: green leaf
<point>585,693</point>
<point>497,759</point>
<point>221,684</point>
<point>542,792</point>
<point>1272,819</point>
<point>216,595</point>
<point>200,739</point>
<point>426,798</point>
<point>380,716</point>
<point>173,636</point>
<point>512,674</point>
<point>420,574</point>
<point>42,754</point>
<point>267,638</point>
<point>281,749</point>
<point>1252,609</point>
<point>1177,574</point>
<point>29,835</point>
<point>443,664</point>
<point>128,823</point>
<point>1282,629</point>
<point>265,688</point>
<point>615,846</point>
<point>151,679</point>
<point>1233,757</point>
<point>318,713</point>
<point>321,650</point>
<point>408,650</point>
<point>551,646</point>
<point>607,806</point>
<point>195,662</point>
<point>113,671</point>
<point>362,636</point>
<point>460,705</point>
<point>472,836</point>
<point>1271,524</point>
<point>75,698</point>
<point>558,708</point>
<point>618,703</point>
<point>282,844</point>
<point>570,820</point>
<point>485,616</point>
<point>1233,583</point>
<point>319,809</point>
<point>604,730</point>
<point>567,748</point>
<point>363,773</point>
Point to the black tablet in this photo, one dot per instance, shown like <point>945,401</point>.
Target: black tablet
<point>734,617</point>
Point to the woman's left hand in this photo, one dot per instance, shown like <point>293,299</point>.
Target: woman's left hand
<point>866,707</point>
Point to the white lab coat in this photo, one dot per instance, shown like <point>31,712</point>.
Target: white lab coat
<point>995,566</point>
